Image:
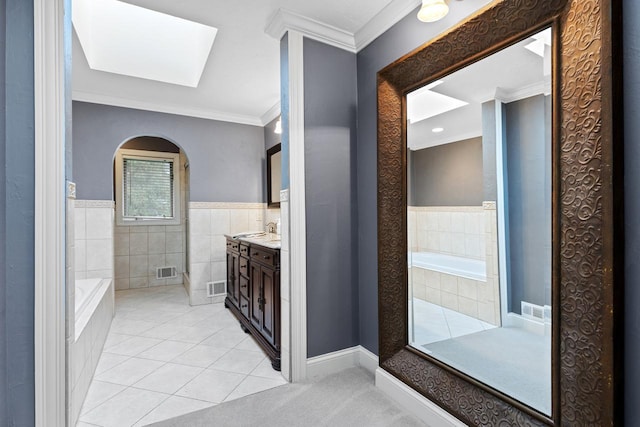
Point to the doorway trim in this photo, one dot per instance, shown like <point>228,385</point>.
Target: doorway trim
<point>49,250</point>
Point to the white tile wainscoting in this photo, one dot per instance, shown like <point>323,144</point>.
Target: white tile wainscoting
<point>93,229</point>
<point>208,223</point>
<point>131,255</point>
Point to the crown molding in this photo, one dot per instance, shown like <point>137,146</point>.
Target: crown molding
<point>285,20</point>
<point>390,15</point>
<point>538,88</point>
<point>166,108</point>
<point>270,114</point>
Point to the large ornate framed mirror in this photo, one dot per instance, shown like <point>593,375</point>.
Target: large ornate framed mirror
<point>495,216</point>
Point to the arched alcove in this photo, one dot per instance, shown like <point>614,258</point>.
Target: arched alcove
<point>151,194</point>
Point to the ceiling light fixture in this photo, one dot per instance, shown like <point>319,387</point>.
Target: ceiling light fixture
<point>433,10</point>
<point>437,130</point>
<point>278,128</point>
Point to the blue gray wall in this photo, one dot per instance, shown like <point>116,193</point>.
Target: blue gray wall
<point>631,19</point>
<point>331,202</point>
<point>17,207</point>
<point>528,179</point>
<point>227,160</point>
<point>3,206</point>
<point>446,175</point>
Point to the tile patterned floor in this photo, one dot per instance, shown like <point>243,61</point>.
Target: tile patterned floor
<point>164,358</point>
<point>434,323</point>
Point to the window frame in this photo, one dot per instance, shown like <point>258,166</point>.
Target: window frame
<point>123,154</point>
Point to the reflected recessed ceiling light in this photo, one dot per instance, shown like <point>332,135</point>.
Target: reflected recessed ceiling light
<point>433,10</point>
<point>437,130</point>
<point>126,39</point>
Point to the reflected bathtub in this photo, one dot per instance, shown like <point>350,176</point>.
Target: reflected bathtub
<point>449,264</point>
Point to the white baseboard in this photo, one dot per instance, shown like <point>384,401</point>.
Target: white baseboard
<point>367,360</point>
<point>337,361</point>
<point>514,320</point>
<point>414,402</point>
<point>405,396</point>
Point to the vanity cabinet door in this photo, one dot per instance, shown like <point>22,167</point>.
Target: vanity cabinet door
<point>270,297</point>
<point>256,296</point>
<point>233,275</point>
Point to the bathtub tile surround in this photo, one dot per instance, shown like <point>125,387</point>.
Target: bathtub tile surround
<point>459,235</point>
<point>93,313</point>
<point>70,334</point>
<point>93,229</point>
<point>451,230</point>
<point>208,223</point>
<point>179,358</point>
<point>89,310</point>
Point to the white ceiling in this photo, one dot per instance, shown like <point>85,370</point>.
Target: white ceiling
<point>241,78</point>
<point>511,74</point>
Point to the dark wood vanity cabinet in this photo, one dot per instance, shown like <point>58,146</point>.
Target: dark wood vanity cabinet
<point>233,273</point>
<point>253,293</point>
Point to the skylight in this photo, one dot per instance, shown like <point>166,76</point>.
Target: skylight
<point>121,38</point>
<point>425,103</point>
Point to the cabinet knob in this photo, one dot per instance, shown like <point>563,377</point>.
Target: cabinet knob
<point>266,257</point>
<point>244,305</point>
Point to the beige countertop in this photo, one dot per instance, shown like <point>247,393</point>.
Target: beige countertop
<point>269,240</point>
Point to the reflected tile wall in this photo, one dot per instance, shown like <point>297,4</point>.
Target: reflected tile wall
<point>469,232</point>
<point>450,230</point>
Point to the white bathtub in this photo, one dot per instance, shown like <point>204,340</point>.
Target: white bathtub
<point>94,303</point>
<point>88,296</point>
<point>449,264</point>
<point>85,290</point>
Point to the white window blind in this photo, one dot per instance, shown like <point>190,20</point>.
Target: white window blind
<point>148,187</point>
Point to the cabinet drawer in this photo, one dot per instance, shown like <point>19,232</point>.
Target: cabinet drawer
<point>244,266</point>
<point>264,256</point>
<point>244,249</point>
<point>244,306</point>
<point>232,245</point>
<point>244,286</point>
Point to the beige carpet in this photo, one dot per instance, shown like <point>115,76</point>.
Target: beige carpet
<point>348,398</point>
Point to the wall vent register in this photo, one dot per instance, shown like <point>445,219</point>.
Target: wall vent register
<point>166,272</point>
<point>215,289</point>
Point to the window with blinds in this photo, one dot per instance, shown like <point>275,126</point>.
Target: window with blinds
<point>148,184</point>
<point>148,188</point>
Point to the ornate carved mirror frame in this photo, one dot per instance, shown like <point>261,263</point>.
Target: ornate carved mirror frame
<point>584,221</point>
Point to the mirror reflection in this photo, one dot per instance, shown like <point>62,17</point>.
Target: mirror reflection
<point>274,175</point>
<point>479,220</point>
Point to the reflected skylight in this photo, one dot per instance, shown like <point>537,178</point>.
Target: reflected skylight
<point>424,103</point>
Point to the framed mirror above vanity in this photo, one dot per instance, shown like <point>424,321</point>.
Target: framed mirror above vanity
<point>495,216</point>
<point>274,175</point>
